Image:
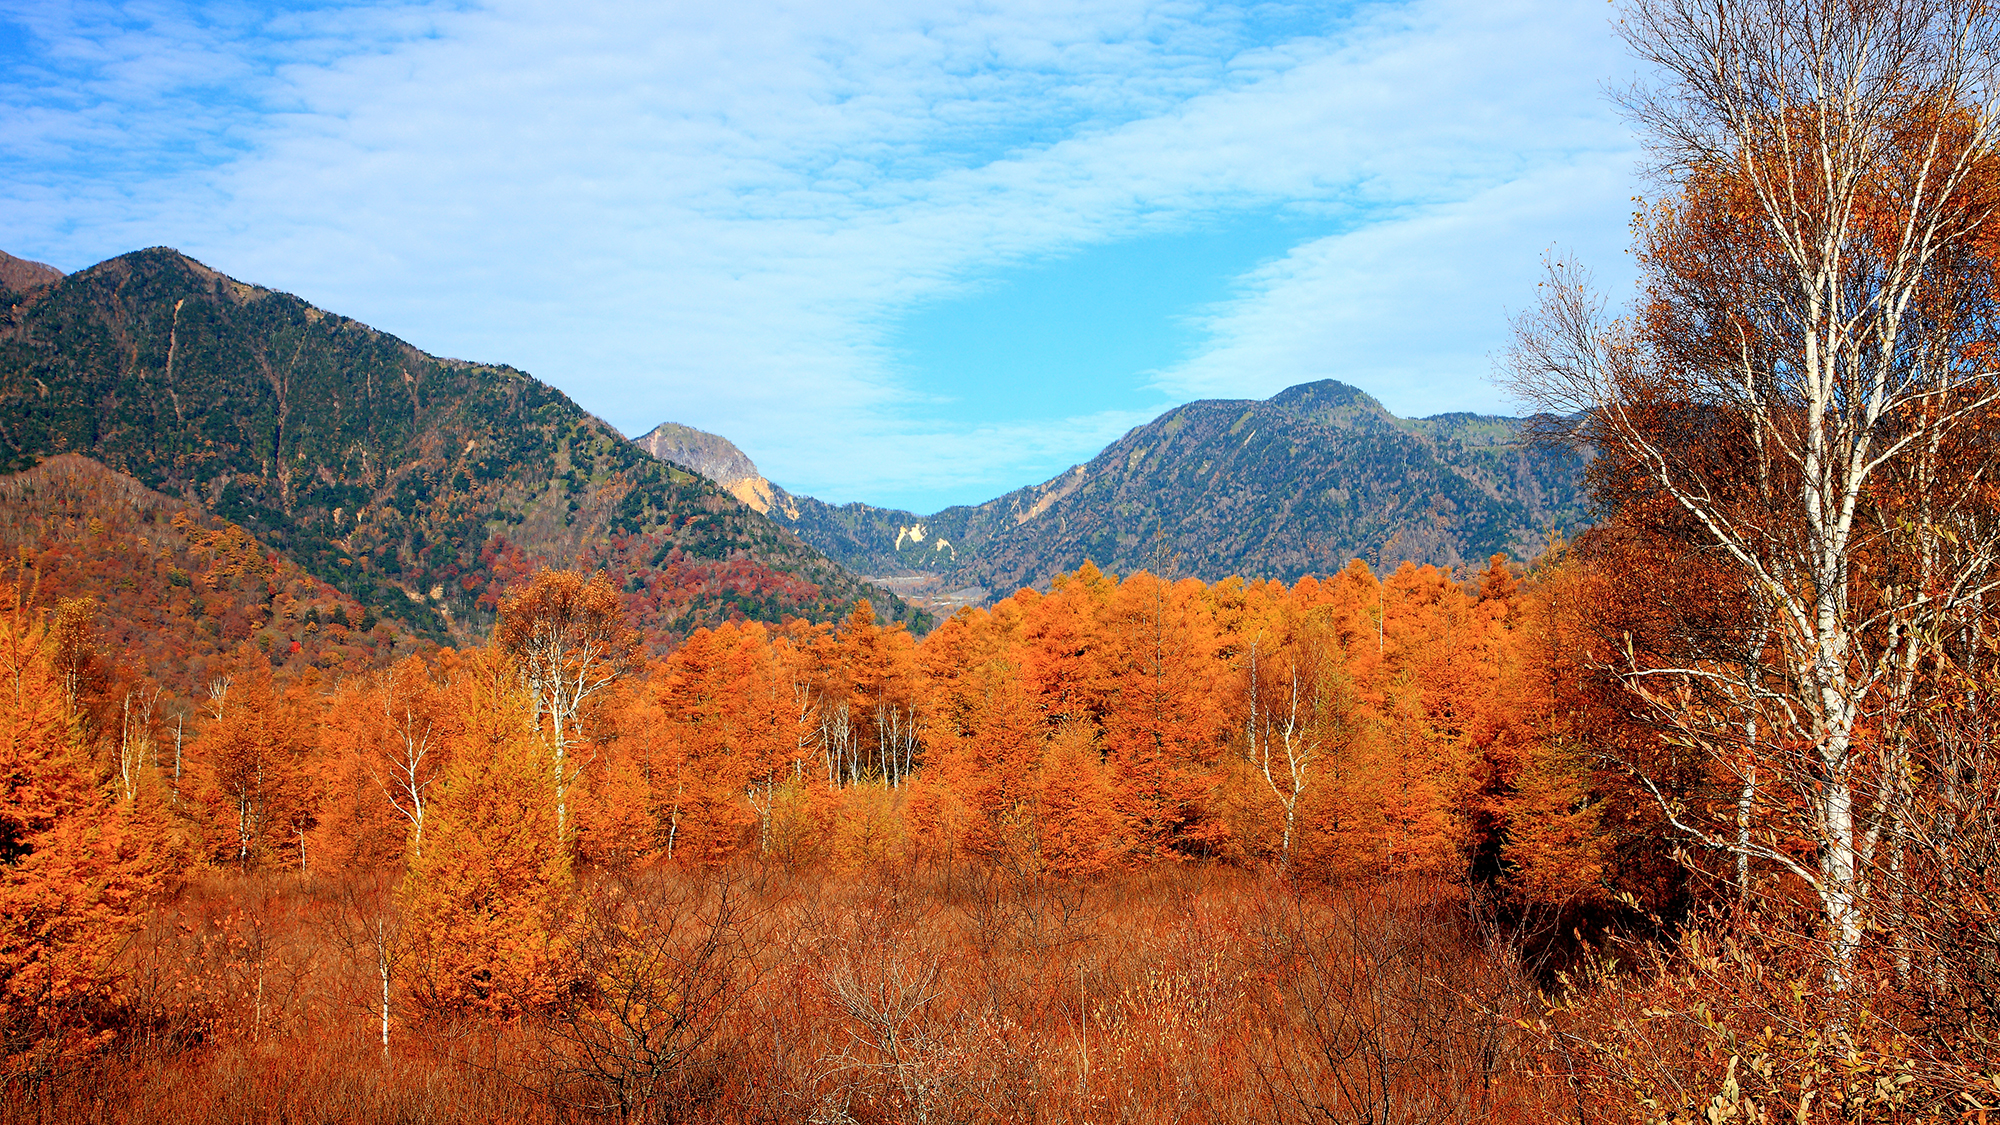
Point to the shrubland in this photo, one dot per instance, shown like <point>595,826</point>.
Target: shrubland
<point>1124,850</point>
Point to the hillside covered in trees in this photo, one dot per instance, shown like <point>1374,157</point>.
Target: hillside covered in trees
<point>1280,488</point>
<point>393,475</point>
<point>168,592</point>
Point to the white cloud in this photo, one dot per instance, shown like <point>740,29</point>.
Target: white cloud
<point>713,213</point>
<point>964,461</point>
<point>1413,309</point>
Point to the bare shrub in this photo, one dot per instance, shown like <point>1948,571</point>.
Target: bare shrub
<point>1377,1005</point>
<point>660,961</point>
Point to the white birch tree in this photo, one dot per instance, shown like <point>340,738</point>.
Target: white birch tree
<point>1815,291</point>
<point>567,636</point>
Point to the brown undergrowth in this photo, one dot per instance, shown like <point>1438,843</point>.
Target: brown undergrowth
<point>941,994</point>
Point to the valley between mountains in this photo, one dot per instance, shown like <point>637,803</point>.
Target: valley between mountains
<point>420,487</point>
<point>1296,484</point>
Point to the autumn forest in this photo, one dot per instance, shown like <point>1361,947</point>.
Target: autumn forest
<point>450,792</point>
<point>624,871</point>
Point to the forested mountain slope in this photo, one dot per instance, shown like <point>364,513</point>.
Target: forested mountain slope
<point>418,485</point>
<point>173,592</point>
<point>20,274</point>
<point>1299,483</point>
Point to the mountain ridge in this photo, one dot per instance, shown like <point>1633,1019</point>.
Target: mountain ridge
<point>1297,483</point>
<point>419,485</point>
<point>21,275</point>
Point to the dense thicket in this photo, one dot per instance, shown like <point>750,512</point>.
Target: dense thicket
<point>495,831</point>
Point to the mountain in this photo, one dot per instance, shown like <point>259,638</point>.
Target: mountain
<point>420,486</point>
<point>854,532</point>
<point>1298,483</point>
<point>20,274</point>
<point>178,591</point>
<point>714,457</point>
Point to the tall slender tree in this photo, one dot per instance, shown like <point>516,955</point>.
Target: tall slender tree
<point>568,637</point>
<point>1816,330</point>
<point>73,880</point>
<point>486,906</point>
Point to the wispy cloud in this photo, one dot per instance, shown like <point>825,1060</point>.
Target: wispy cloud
<point>1415,306</point>
<point>715,213</point>
<point>962,461</point>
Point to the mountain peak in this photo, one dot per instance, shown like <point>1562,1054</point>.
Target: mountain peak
<point>1318,474</point>
<point>165,262</point>
<point>22,274</point>
<point>421,486</point>
<point>711,455</point>
<point>1333,403</point>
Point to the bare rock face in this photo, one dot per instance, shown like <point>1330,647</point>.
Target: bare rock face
<point>20,274</point>
<point>712,456</point>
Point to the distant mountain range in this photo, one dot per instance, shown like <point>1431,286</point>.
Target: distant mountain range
<point>1298,483</point>
<point>423,486</point>
<point>418,485</point>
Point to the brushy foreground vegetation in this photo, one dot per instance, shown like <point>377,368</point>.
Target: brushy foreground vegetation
<point>968,994</point>
<point>388,897</point>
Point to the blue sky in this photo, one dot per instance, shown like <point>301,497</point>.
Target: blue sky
<point>914,252</point>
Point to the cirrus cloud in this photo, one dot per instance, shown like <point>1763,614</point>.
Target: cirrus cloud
<point>718,214</point>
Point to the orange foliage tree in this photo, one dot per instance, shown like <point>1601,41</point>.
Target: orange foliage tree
<point>1162,720</point>
<point>73,880</point>
<point>254,763</point>
<point>725,739</point>
<point>486,904</point>
<point>569,639</point>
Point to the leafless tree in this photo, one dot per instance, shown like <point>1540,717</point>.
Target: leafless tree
<point>412,758</point>
<point>1283,734</point>
<point>363,923</point>
<point>836,732</point>
<point>135,739</point>
<point>898,733</point>
<point>1378,1007</point>
<point>661,961</point>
